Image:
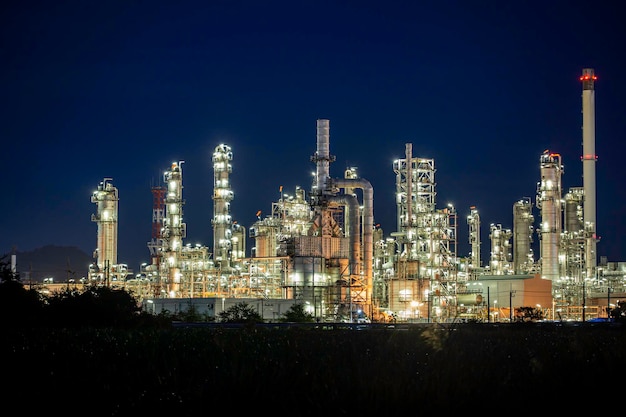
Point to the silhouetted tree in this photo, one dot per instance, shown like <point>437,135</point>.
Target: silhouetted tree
<point>240,313</point>
<point>18,306</point>
<point>297,314</point>
<point>93,306</point>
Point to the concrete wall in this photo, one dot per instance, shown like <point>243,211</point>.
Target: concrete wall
<point>269,309</point>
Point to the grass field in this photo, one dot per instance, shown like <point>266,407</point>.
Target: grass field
<point>414,370</point>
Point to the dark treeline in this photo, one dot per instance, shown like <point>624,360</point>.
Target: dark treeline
<point>305,371</point>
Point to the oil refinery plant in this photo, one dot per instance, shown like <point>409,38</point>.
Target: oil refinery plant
<point>321,247</point>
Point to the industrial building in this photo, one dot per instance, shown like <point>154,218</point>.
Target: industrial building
<point>321,247</point>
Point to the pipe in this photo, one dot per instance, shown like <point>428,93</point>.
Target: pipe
<point>368,224</point>
<point>353,231</point>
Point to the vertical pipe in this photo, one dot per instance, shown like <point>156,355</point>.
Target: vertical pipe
<point>368,224</point>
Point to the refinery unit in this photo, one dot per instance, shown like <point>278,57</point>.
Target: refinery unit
<point>321,247</point>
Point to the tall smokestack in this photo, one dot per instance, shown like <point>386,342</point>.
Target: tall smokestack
<point>589,168</point>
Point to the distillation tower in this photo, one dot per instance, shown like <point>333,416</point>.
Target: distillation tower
<point>549,202</point>
<point>222,196</point>
<point>473,223</point>
<point>174,229</point>
<point>499,261</point>
<point>106,269</point>
<point>106,199</point>
<point>523,258</point>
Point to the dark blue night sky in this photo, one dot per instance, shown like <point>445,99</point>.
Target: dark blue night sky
<point>121,89</point>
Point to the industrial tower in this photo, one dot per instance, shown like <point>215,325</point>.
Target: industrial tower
<point>523,259</point>
<point>549,202</point>
<point>106,199</point>
<point>222,196</point>
<point>174,229</point>
<point>589,158</point>
<point>473,222</point>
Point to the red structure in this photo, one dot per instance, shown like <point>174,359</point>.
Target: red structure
<point>158,214</point>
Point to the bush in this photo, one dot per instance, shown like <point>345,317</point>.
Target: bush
<point>297,314</point>
<point>240,313</point>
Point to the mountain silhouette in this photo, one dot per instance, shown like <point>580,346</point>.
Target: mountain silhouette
<point>61,263</point>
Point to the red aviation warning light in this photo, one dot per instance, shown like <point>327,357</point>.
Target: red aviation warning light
<point>588,77</point>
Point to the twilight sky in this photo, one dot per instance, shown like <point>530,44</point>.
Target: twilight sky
<point>121,89</point>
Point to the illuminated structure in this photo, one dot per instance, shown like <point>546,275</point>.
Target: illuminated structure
<point>589,158</point>
<point>316,250</point>
<point>473,222</point>
<point>499,263</point>
<point>105,269</point>
<point>174,229</point>
<point>523,260</point>
<point>323,249</point>
<point>106,199</point>
<point>222,196</point>
<point>424,277</point>
<point>549,201</point>
<point>327,246</point>
<point>155,246</point>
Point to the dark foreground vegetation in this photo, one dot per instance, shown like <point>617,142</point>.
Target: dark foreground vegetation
<point>96,354</point>
<point>302,371</point>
